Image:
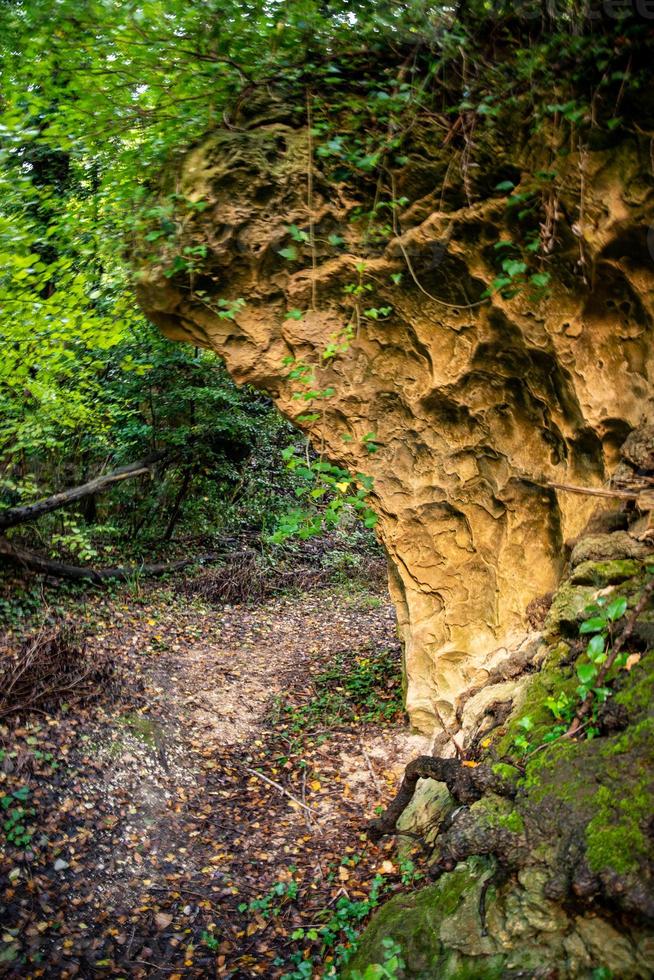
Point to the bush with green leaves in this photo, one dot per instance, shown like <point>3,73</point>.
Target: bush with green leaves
<point>599,632</point>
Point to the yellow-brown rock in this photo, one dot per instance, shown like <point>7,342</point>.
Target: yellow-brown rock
<point>476,404</point>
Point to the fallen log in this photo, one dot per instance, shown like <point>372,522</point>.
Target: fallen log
<point>29,512</point>
<point>47,566</point>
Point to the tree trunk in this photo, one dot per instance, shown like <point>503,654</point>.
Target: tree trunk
<point>189,473</point>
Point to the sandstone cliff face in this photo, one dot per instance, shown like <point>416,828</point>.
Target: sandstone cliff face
<point>477,405</point>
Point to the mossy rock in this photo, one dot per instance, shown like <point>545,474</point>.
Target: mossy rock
<point>569,607</point>
<point>416,921</point>
<point>603,573</point>
<point>608,547</point>
<point>430,805</point>
<point>440,933</point>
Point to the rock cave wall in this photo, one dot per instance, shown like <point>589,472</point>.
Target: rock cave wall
<point>477,404</point>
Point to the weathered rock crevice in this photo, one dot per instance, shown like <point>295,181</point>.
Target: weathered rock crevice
<point>477,405</point>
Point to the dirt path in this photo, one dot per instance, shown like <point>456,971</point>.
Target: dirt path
<point>207,820</point>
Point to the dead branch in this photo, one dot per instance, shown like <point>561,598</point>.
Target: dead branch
<point>282,789</point>
<point>48,668</point>
<point>247,578</point>
<point>593,491</point>
<point>28,512</point>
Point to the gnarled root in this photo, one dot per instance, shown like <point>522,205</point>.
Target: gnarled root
<point>467,783</point>
<point>467,836</point>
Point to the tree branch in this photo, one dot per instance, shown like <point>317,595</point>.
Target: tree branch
<point>28,512</point>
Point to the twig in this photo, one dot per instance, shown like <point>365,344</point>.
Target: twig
<point>153,966</point>
<point>307,817</point>
<point>378,785</point>
<point>282,789</point>
<point>131,940</point>
<point>559,738</point>
<point>593,491</point>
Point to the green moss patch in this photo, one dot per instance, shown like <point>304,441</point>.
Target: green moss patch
<point>415,922</point>
<point>603,573</point>
<point>615,839</point>
<point>141,727</point>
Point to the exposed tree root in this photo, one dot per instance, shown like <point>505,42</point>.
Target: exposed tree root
<point>467,782</point>
<point>467,836</point>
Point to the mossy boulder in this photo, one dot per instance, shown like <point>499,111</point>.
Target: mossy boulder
<point>569,608</point>
<point>526,934</point>
<point>430,805</point>
<point>609,547</point>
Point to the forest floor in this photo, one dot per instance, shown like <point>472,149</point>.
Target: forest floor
<point>204,815</point>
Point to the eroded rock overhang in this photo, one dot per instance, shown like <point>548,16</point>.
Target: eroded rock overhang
<point>478,405</point>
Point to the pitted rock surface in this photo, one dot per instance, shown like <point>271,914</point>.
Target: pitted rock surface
<point>477,404</point>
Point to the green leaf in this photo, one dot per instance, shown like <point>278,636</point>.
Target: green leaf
<point>616,608</point>
<point>290,253</point>
<point>296,234</point>
<point>595,649</point>
<point>593,625</point>
<point>586,673</point>
<point>514,267</point>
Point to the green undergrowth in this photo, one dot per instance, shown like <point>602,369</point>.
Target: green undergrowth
<point>329,942</point>
<point>581,629</point>
<point>353,688</point>
<point>585,798</point>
